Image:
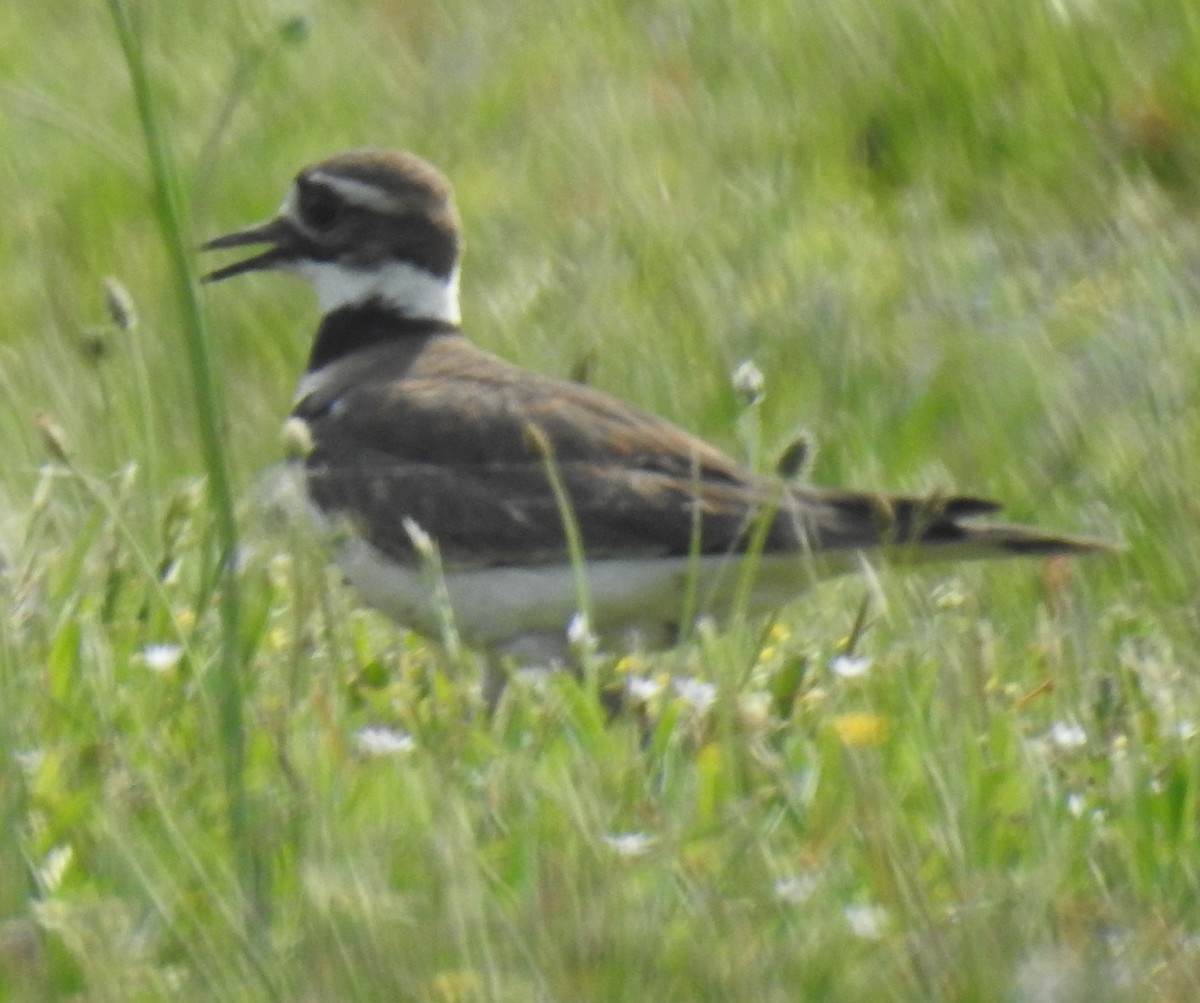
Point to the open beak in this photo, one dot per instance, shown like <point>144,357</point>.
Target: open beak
<point>278,233</point>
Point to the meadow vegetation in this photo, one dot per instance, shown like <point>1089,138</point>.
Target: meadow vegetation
<point>959,240</point>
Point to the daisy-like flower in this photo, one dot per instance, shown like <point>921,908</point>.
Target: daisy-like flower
<point>796,889</point>
<point>630,844</point>
<point>699,694</point>
<point>162,657</point>
<point>1067,735</point>
<point>643,688</point>
<point>579,632</point>
<point>376,740</point>
<point>866,921</point>
<point>748,381</point>
<point>850,666</point>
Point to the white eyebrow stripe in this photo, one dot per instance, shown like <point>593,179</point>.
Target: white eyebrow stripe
<point>359,193</point>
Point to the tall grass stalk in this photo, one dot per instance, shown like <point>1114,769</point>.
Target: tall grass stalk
<point>226,685</point>
<point>585,644</point>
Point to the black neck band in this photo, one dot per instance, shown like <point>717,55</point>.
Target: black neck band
<point>353,328</point>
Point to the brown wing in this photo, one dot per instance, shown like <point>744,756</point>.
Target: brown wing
<point>458,441</point>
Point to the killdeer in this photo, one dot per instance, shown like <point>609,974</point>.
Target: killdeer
<point>412,433</point>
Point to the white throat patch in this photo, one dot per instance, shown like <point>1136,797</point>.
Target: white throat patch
<point>410,291</point>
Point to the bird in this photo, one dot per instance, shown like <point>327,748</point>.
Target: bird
<point>532,496</point>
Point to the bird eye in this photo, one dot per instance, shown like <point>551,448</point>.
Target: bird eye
<point>319,207</point>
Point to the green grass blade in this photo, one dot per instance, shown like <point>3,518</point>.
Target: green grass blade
<point>227,681</point>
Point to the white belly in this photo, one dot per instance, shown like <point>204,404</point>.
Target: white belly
<point>513,609</point>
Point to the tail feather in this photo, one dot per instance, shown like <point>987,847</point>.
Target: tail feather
<point>936,528</point>
<point>998,539</point>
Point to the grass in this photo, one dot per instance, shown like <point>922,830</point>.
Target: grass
<point>960,242</point>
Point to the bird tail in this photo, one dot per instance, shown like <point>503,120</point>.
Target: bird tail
<point>916,529</point>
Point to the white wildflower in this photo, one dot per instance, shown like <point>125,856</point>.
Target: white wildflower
<point>699,694</point>
<point>866,921</point>
<point>796,889</point>
<point>748,381</point>
<point>643,688</point>
<point>630,844</point>
<point>1067,735</point>
<point>850,666</point>
<point>162,657</point>
<point>376,740</point>
<point>579,632</point>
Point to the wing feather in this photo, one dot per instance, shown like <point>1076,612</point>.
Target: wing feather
<point>459,440</point>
